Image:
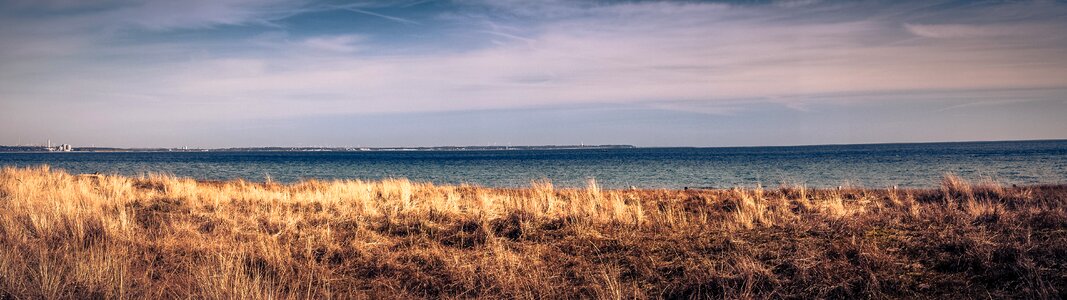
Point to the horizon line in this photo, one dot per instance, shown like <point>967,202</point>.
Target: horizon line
<point>547,146</point>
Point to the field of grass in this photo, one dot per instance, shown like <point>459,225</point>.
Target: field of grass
<point>70,236</point>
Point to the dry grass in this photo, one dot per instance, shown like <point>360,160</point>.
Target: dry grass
<point>67,236</point>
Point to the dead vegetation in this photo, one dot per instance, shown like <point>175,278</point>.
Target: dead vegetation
<point>66,236</point>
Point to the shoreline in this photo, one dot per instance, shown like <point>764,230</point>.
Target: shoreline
<point>527,147</point>
<point>937,184</point>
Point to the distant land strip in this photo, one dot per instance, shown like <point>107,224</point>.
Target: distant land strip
<point>311,149</point>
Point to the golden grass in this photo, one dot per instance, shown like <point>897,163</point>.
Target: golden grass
<point>109,236</point>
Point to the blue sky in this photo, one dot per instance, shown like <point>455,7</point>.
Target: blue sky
<point>224,73</point>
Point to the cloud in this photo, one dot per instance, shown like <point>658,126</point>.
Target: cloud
<point>952,31</point>
<point>164,15</point>
<point>356,9</point>
<point>796,3</point>
<point>696,56</point>
<point>91,16</point>
<point>345,43</point>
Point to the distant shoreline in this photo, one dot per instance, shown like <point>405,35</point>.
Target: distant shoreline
<point>42,149</point>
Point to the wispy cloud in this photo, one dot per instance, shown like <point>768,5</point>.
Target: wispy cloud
<point>357,9</point>
<point>345,43</point>
<point>238,59</point>
<point>942,31</point>
<point>165,15</point>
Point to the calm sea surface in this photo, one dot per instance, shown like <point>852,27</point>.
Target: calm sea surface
<point>914,165</point>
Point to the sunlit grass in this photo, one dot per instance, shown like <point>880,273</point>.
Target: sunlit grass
<point>109,236</point>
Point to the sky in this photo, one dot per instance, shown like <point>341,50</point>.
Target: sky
<point>241,73</point>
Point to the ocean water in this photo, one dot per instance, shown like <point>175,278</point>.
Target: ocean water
<point>881,165</point>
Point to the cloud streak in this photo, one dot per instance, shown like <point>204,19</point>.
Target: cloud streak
<point>950,31</point>
<point>370,13</point>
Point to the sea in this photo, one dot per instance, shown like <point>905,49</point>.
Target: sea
<point>867,165</point>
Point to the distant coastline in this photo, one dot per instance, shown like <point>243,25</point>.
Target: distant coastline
<point>10,149</point>
<point>314,149</point>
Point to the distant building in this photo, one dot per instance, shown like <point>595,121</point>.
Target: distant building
<point>61,148</point>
